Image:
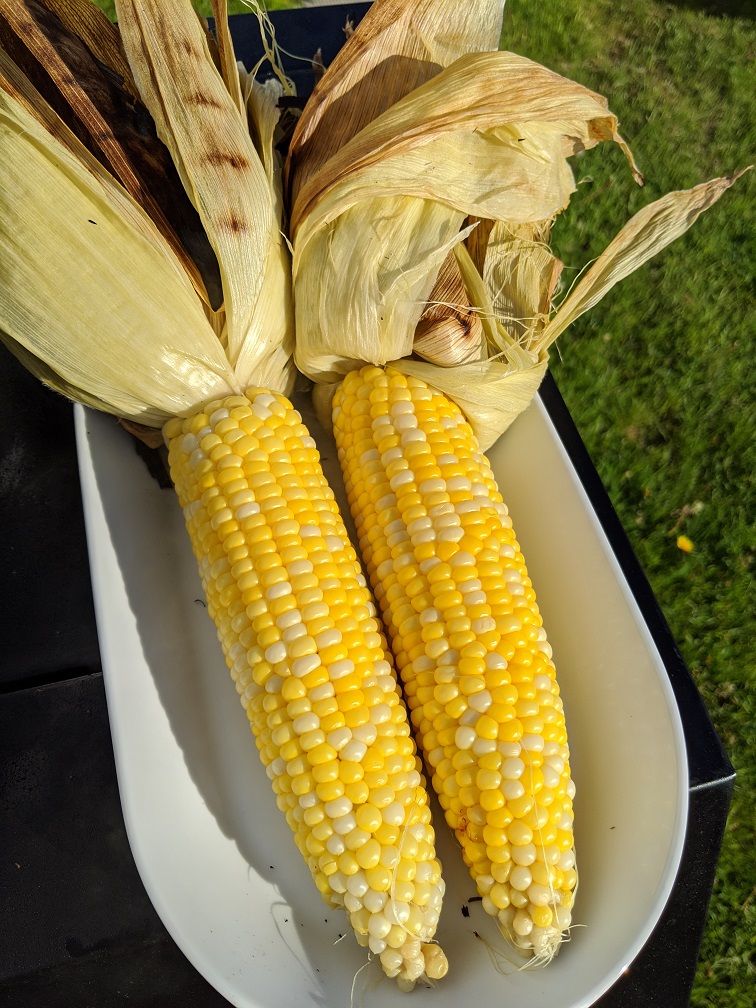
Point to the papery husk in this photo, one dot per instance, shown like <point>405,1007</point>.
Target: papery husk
<point>201,124</point>
<point>261,102</point>
<point>226,60</point>
<point>124,332</point>
<point>397,47</point>
<point>521,274</point>
<point>648,232</point>
<point>383,214</point>
<point>450,330</point>
<point>97,33</point>
<point>361,283</point>
<point>113,321</point>
<point>52,68</point>
<point>481,111</point>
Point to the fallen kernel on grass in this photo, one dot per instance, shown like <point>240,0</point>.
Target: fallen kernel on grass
<point>685,544</point>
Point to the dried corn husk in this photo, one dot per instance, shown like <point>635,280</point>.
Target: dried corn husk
<point>481,145</point>
<point>76,310</point>
<point>115,319</point>
<point>398,47</point>
<point>494,112</point>
<point>107,118</point>
<point>372,227</point>
<point>450,330</point>
<point>200,123</point>
<point>645,234</point>
<point>225,56</point>
<point>97,33</point>
<point>492,394</point>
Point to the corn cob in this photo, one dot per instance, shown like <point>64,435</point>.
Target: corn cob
<point>300,637</point>
<point>468,641</point>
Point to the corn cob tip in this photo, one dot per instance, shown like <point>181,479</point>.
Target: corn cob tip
<point>417,957</point>
<point>431,962</point>
<point>541,945</point>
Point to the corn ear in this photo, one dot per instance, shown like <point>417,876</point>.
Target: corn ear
<point>469,645</point>
<point>297,626</point>
<point>434,532</point>
<point>283,584</point>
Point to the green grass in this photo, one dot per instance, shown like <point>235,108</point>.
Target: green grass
<point>659,375</point>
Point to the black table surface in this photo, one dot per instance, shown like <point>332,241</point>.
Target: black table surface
<point>77,929</point>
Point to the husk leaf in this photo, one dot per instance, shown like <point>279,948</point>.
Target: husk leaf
<point>98,34</point>
<point>397,47</point>
<point>645,234</point>
<point>210,144</point>
<point>126,332</point>
<point>410,168</point>
<point>18,88</point>
<point>520,274</point>
<point>264,115</point>
<point>115,127</point>
<point>361,283</point>
<point>495,94</point>
<point>226,58</point>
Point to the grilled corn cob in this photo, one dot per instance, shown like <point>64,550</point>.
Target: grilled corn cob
<point>300,637</point>
<point>468,641</point>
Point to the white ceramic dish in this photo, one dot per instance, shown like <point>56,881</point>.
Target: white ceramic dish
<point>216,856</point>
